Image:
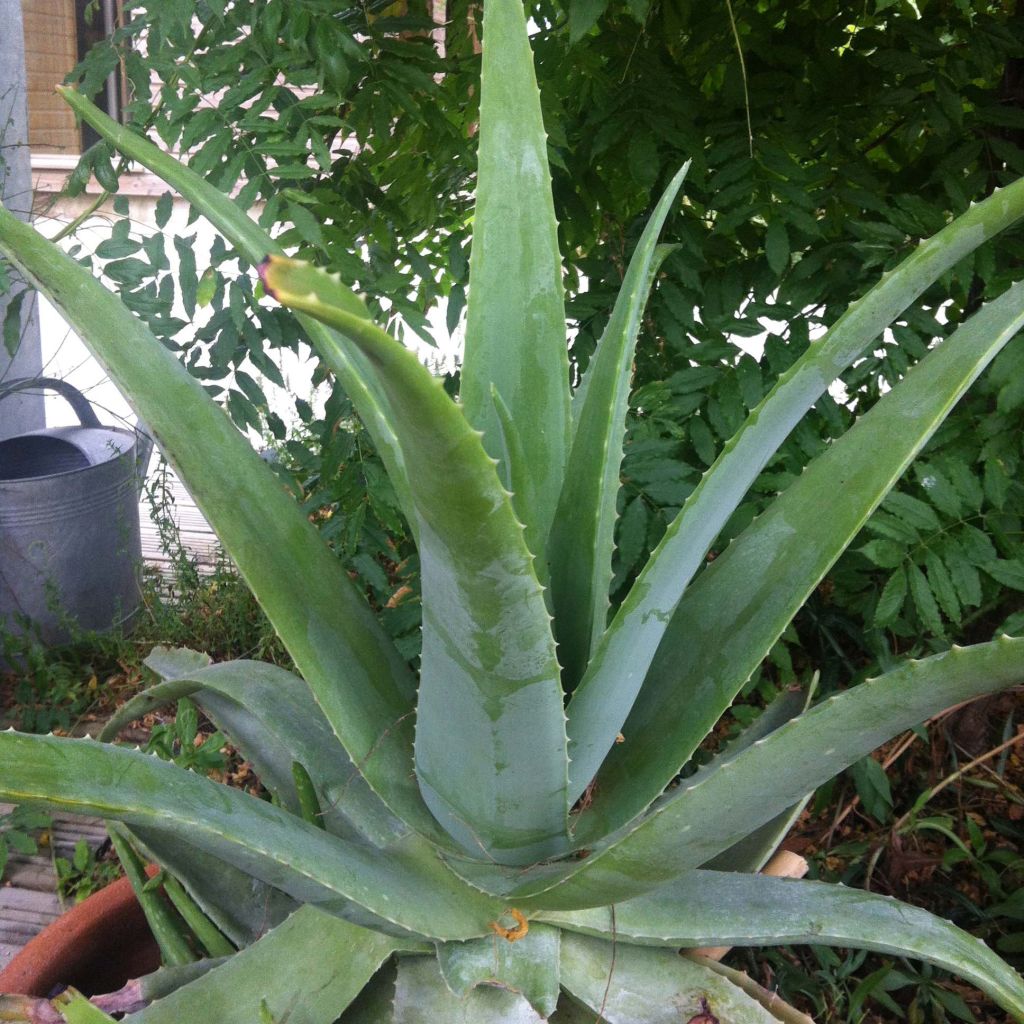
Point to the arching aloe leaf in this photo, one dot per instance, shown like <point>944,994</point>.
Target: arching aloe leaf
<point>355,374</point>
<point>490,730</point>
<point>360,681</point>
<point>717,908</point>
<point>422,997</point>
<point>305,971</point>
<point>713,809</point>
<point>583,533</point>
<point>528,966</point>
<point>621,660</point>
<point>270,716</point>
<point>409,887</point>
<point>740,605</point>
<point>628,985</point>
<point>515,330</point>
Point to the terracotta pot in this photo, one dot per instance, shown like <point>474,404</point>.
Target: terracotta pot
<point>96,946</point>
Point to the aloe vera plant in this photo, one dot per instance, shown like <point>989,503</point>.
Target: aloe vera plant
<point>499,839</point>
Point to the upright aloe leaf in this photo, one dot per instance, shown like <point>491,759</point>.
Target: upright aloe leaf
<point>515,332</point>
<point>715,809</point>
<point>628,985</point>
<point>736,610</point>
<point>306,971</point>
<point>717,908</point>
<point>254,243</point>
<point>621,660</point>
<point>408,888</point>
<point>360,681</point>
<point>583,533</point>
<point>490,730</point>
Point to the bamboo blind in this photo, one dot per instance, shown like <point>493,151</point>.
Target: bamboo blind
<point>51,51</point>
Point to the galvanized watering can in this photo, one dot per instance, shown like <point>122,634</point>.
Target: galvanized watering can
<point>70,550</point>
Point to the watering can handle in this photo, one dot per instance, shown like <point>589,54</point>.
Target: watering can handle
<point>78,402</point>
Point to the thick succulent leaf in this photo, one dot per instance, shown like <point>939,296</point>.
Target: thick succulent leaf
<point>165,925</point>
<point>360,681</point>
<point>528,966</point>
<point>376,1003</point>
<point>356,375</point>
<point>713,809</point>
<point>621,660</point>
<point>165,980</point>
<point>515,330</point>
<point>753,851</point>
<point>242,907</point>
<point>516,476</point>
<point>583,532</point>
<point>716,908</point>
<point>408,888</point>
<point>305,971</point>
<point>490,730</point>
<point>145,702</point>
<point>76,1008</point>
<point>571,1012</point>
<point>422,997</point>
<point>270,716</point>
<point>740,605</point>
<point>167,663</point>
<point>630,985</point>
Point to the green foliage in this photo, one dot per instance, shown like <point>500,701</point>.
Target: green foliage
<point>16,828</point>
<point>467,832</point>
<point>871,129</point>
<point>84,874</point>
<point>182,742</point>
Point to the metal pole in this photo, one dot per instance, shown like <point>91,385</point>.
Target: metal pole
<point>24,412</point>
<point>109,24</point>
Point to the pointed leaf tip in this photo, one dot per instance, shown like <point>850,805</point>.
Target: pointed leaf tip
<point>265,271</point>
